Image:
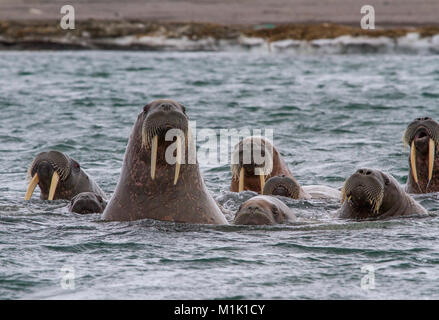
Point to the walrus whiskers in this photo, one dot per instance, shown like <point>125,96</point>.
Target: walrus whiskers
<point>31,188</point>
<point>343,194</point>
<point>376,202</point>
<point>154,155</point>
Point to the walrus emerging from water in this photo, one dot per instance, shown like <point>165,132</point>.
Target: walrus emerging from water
<point>290,188</point>
<point>422,135</point>
<point>87,202</point>
<point>263,210</point>
<point>59,177</point>
<point>372,194</point>
<point>153,183</point>
<point>255,160</point>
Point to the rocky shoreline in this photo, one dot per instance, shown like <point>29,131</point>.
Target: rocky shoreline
<point>147,35</point>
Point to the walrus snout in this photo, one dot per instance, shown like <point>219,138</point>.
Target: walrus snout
<point>46,170</point>
<point>282,186</point>
<point>87,202</point>
<point>252,160</point>
<point>253,215</point>
<point>161,116</point>
<point>251,169</point>
<point>365,188</point>
<point>164,121</point>
<point>427,126</point>
<point>421,140</point>
<point>422,135</point>
<point>263,210</point>
<point>373,194</point>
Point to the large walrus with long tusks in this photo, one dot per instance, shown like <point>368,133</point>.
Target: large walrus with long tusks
<point>263,210</point>
<point>422,135</point>
<point>372,194</point>
<point>160,177</point>
<point>254,161</point>
<point>59,177</point>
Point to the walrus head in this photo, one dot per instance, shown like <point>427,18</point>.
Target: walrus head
<point>422,135</point>
<point>262,210</point>
<point>282,186</point>
<point>55,173</point>
<point>87,202</point>
<point>162,121</point>
<point>252,162</point>
<point>370,193</point>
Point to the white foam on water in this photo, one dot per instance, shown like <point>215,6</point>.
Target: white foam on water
<point>411,43</point>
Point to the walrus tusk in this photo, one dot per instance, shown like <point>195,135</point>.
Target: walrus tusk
<point>262,180</point>
<point>155,142</point>
<point>431,154</point>
<point>178,160</point>
<point>32,185</point>
<point>241,180</point>
<point>413,162</point>
<point>53,185</point>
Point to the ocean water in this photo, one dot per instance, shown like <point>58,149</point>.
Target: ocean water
<point>331,114</point>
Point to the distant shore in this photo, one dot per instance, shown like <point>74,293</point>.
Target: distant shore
<point>147,35</point>
<point>217,25</point>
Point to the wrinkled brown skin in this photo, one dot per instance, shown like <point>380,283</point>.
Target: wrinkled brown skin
<point>252,182</point>
<point>137,196</point>
<point>263,210</point>
<point>282,186</point>
<point>421,145</point>
<point>396,202</point>
<point>87,202</point>
<point>78,181</point>
<point>290,188</point>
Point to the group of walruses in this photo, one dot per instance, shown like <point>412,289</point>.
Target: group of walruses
<point>151,186</point>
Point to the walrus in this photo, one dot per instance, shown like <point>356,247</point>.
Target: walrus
<point>160,178</point>
<point>59,177</point>
<point>263,210</point>
<point>422,135</point>
<point>289,187</point>
<point>87,202</point>
<point>372,194</point>
<point>250,173</point>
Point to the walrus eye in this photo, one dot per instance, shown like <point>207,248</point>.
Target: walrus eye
<point>386,181</point>
<point>184,109</point>
<point>146,108</point>
<point>275,211</point>
<point>76,165</point>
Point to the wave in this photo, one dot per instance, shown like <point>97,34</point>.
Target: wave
<point>411,43</point>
